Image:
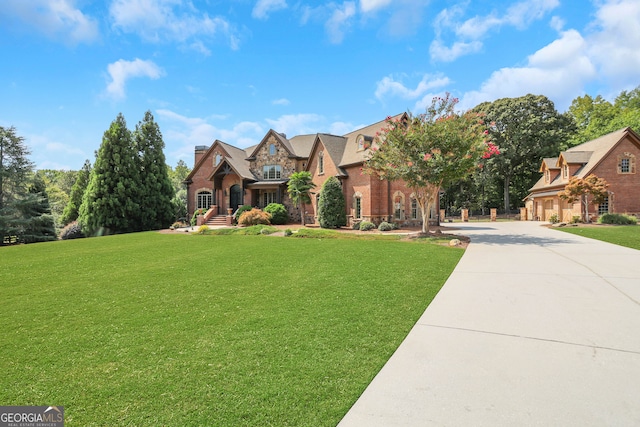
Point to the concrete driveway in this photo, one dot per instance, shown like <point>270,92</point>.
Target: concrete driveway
<point>535,327</point>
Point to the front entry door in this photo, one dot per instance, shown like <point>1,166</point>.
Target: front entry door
<point>235,193</point>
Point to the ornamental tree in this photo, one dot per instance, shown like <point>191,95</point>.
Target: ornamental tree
<point>581,188</point>
<point>430,151</point>
<point>299,189</point>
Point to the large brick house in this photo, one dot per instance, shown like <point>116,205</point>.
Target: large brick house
<point>225,177</point>
<point>612,157</point>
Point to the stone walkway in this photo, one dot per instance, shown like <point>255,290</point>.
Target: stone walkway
<point>534,327</point>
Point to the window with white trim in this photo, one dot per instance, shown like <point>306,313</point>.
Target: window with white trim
<point>204,200</point>
<point>269,197</point>
<point>415,209</point>
<point>271,172</point>
<point>357,206</point>
<point>218,159</point>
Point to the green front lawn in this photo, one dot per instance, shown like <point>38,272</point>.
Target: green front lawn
<point>190,330</point>
<point>623,235</point>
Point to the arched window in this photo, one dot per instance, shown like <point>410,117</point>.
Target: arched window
<point>204,199</point>
<point>398,205</point>
<point>218,159</point>
<point>321,162</point>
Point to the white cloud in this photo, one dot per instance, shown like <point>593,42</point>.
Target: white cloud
<point>281,101</point>
<point>170,20</point>
<point>468,33</point>
<point>296,124</point>
<point>343,128</point>
<point>389,86</point>
<point>182,133</point>
<point>440,52</point>
<point>263,8</point>
<point>56,18</point>
<point>339,23</point>
<point>615,41</point>
<point>559,69</point>
<point>372,5</point>
<point>122,70</point>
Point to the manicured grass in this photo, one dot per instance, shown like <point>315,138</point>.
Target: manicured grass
<point>190,330</point>
<point>623,235</point>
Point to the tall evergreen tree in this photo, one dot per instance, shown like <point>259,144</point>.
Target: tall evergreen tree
<point>156,190</point>
<point>110,204</point>
<point>36,221</point>
<point>71,210</point>
<point>331,206</point>
<point>178,176</point>
<point>15,168</point>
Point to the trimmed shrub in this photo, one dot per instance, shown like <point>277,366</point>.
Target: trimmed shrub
<point>203,229</point>
<point>553,219</point>
<point>194,218</point>
<point>254,217</point>
<point>278,212</point>
<point>385,226</point>
<point>288,232</point>
<point>73,230</point>
<point>617,219</point>
<point>356,225</point>
<point>367,225</point>
<point>242,209</point>
<point>331,205</point>
<point>575,219</point>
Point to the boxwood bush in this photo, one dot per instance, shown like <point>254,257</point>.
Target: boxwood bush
<point>278,213</point>
<point>617,219</point>
<point>367,225</point>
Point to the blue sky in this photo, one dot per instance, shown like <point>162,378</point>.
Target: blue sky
<point>231,70</point>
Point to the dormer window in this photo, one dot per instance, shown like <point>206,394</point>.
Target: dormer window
<point>565,171</point>
<point>360,142</point>
<point>272,149</point>
<point>547,176</point>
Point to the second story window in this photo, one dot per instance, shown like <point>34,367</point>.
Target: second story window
<point>272,149</point>
<point>218,159</point>
<point>271,172</point>
<point>321,162</point>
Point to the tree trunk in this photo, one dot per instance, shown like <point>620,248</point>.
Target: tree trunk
<point>507,183</point>
<point>302,214</point>
<point>426,199</point>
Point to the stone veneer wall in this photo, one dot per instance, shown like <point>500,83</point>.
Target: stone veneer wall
<point>263,158</point>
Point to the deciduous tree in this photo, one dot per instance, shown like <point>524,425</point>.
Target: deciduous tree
<point>430,151</point>
<point>527,129</point>
<point>581,188</point>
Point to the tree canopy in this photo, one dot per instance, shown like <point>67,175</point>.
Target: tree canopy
<point>430,151</point>
<point>581,188</point>
<point>527,129</point>
<point>71,210</point>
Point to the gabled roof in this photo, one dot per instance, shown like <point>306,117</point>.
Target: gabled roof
<point>549,163</point>
<point>205,156</point>
<point>333,146</point>
<point>236,160</point>
<point>588,154</point>
<point>574,157</point>
<point>351,154</point>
